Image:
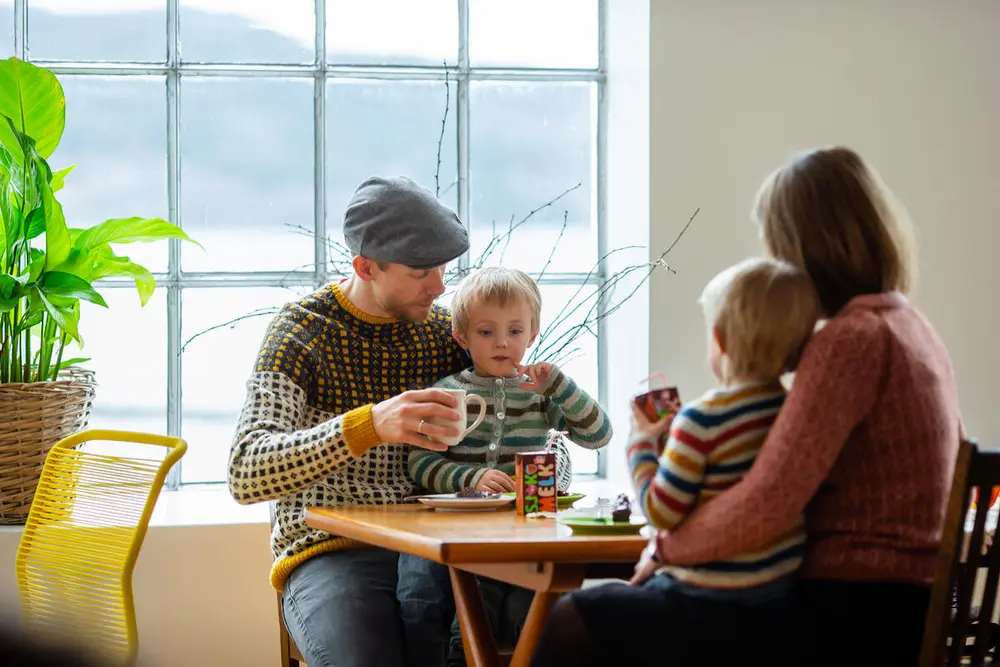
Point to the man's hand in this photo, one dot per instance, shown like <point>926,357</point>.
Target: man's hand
<point>538,375</point>
<point>495,481</point>
<point>405,418</point>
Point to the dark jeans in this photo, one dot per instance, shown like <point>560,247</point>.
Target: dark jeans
<point>430,628</point>
<point>822,623</point>
<point>340,609</point>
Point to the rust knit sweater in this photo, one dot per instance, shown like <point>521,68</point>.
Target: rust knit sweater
<point>865,444</point>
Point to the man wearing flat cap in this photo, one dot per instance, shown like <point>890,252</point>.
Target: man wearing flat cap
<point>326,419</point>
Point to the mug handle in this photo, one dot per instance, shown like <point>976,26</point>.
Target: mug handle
<point>482,411</point>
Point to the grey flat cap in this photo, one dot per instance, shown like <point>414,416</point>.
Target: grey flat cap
<point>395,220</point>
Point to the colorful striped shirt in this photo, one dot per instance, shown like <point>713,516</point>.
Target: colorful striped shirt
<point>516,421</point>
<point>713,442</point>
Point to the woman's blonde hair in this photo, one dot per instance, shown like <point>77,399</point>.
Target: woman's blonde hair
<point>763,312</point>
<point>828,212</point>
<point>498,286</point>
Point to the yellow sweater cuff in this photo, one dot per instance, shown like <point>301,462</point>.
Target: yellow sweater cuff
<point>359,430</point>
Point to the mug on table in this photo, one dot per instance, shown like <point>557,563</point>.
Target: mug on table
<point>464,398</point>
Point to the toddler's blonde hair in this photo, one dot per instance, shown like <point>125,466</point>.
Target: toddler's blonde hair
<point>763,312</point>
<point>495,285</point>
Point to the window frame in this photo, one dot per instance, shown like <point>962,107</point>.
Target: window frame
<point>460,74</point>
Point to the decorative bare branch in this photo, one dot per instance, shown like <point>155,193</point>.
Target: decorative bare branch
<point>444,122</point>
<point>231,324</point>
<point>558,342</point>
<point>555,246</point>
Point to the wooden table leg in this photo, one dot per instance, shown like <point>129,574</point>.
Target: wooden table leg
<point>477,636</point>
<point>538,615</point>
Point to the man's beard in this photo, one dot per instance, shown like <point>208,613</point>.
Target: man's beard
<point>406,312</point>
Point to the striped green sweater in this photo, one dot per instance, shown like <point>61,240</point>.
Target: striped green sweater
<point>516,421</point>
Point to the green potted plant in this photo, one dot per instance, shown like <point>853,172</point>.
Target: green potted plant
<point>47,268</point>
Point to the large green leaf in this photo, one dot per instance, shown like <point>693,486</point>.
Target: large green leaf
<point>31,320</point>
<point>66,285</point>
<point>108,265</point>
<point>33,98</point>
<point>66,318</point>
<point>59,177</point>
<point>57,241</point>
<point>129,230</point>
<point>12,221</point>
<point>35,224</point>
<point>7,285</point>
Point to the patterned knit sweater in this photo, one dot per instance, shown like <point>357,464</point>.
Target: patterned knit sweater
<point>516,421</point>
<point>305,436</point>
<point>713,442</point>
<point>865,443</point>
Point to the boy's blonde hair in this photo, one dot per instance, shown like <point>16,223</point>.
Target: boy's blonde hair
<point>828,212</point>
<point>763,312</point>
<point>498,286</point>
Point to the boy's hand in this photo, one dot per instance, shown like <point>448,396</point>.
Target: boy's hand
<point>642,427</point>
<point>495,481</point>
<point>538,375</point>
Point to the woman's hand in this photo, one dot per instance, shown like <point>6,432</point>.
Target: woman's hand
<point>646,567</point>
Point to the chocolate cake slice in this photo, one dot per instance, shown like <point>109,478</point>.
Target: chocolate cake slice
<point>621,509</point>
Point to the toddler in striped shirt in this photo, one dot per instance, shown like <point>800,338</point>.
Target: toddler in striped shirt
<point>495,316</point>
<point>760,313</point>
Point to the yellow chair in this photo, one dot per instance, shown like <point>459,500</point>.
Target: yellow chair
<point>82,537</point>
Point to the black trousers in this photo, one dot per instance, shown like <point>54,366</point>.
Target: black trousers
<point>822,623</point>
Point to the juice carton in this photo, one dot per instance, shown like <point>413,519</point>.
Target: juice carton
<point>659,403</point>
<point>535,483</point>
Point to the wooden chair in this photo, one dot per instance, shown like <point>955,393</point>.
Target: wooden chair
<point>290,654</point>
<point>83,534</point>
<point>952,617</point>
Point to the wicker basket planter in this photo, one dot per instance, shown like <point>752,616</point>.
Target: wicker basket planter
<point>33,417</point>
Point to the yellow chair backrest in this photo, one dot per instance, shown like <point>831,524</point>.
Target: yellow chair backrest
<point>82,537</point>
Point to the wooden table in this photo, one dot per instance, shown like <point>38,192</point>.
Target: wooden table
<point>537,554</point>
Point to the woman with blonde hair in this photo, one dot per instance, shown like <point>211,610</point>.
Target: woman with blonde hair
<point>865,444</point>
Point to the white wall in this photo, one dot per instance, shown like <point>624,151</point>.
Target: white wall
<point>201,593</point>
<point>737,87</point>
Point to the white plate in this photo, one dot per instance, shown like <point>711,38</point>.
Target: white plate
<point>449,503</point>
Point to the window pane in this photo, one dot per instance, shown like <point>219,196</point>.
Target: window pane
<point>392,32</point>
<point>533,33</point>
<point>528,144</point>
<point>98,31</point>
<point>127,345</point>
<point>257,31</point>
<point>387,128</point>
<point>247,173</point>
<point>116,134</point>
<point>6,28</point>
<point>215,369</point>
<point>567,344</point>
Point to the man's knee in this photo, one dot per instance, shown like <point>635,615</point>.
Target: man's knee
<point>333,603</point>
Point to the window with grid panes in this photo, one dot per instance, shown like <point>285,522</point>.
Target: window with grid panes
<point>250,123</point>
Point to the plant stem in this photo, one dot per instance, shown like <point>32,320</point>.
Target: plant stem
<point>15,350</point>
<point>45,354</point>
<point>62,345</point>
<point>4,342</point>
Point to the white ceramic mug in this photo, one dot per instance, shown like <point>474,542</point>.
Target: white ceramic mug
<point>463,415</point>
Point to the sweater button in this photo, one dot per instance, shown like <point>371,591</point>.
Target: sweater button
<point>501,415</point>
<point>493,448</point>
